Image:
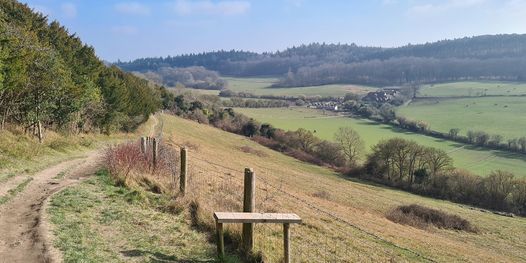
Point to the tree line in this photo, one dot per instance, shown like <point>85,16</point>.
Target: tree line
<point>191,77</point>
<point>49,79</point>
<point>497,57</point>
<point>386,113</point>
<point>427,171</point>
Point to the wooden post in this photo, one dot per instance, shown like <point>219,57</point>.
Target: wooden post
<point>220,241</point>
<point>143,145</point>
<point>154,152</point>
<point>249,204</point>
<point>286,242</point>
<point>184,169</point>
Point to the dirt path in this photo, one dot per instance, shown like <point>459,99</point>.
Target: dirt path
<point>24,230</point>
<point>23,235</point>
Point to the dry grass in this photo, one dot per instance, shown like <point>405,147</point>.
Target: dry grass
<point>21,153</point>
<point>132,168</point>
<point>348,226</point>
<point>423,217</point>
<point>250,150</point>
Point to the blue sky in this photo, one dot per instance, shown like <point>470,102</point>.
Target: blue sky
<point>124,29</point>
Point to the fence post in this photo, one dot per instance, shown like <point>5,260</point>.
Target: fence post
<point>286,242</point>
<point>220,241</point>
<point>154,152</point>
<point>184,169</point>
<point>249,204</point>
<point>143,145</point>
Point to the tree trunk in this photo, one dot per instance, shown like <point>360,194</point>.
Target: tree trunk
<point>39,127</point>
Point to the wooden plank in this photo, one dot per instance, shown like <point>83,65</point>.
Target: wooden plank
<point>278,218</point>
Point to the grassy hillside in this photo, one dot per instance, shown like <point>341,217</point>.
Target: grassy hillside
<point>261,86</point>
<point>473,89</point>
<point>343,219</point>
<point>325,124</point>
<point>494,115</point>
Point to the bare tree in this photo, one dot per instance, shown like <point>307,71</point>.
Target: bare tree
<point>351,143</point>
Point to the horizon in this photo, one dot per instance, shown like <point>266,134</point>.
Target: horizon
<point>128,30</point>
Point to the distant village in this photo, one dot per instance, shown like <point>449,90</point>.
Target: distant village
<point>379,96</point>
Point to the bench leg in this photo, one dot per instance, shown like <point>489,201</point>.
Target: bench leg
<point>220,241</point>
<point>286,242</point>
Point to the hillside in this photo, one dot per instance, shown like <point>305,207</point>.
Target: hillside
<point>51,80</point>
<point>482,57</point>
<point>344,220</point>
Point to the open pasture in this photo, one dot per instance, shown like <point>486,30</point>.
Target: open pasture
<point>473,89</point>
<point>494,115</point>
<point>325,124</point>
<point>261,86</point>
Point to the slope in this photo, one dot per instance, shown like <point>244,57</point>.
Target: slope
<point>343,219</point>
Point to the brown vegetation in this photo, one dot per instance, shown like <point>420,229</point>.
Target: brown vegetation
<point>130,167</point>
<point>423,217</point>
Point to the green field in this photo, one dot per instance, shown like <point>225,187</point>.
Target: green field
<point>261,86</point>
<point>474,159</point>
<point>473,89</point>
<point>494,115</point>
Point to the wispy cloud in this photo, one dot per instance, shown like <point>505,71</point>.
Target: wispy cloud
<point>132,8</point>
<point>444,6</point>
<point>69,10</point>
<point>124,30</point>
<point>207,7</point>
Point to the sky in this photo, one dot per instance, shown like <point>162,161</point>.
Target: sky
<point>129,29</point>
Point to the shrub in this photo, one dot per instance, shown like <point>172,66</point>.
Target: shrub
<point>130,167</point>
<point>423,217</point>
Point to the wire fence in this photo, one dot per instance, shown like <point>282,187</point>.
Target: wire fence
<point>324,236</point>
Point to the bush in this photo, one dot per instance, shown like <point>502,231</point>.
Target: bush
<point>423,217</point>
<point>129,167</point>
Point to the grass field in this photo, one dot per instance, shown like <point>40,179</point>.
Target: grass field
<point>477,160</point>
<point>494,115</point>
<point>343,220</point>
<point>475,89</point>
<point>261,86</point>
<point>96,221</point>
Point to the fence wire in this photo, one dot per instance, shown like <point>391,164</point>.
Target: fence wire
<point>324,236</point>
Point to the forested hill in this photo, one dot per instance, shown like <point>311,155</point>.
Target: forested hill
<point>483,57</point>
<point>49,79</point>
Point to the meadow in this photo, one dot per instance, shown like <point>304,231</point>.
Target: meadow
<point>261,86</point>
<point>494,115</point>
<point>473,89</point>
<point>325,124</point>
<point>285,184</point>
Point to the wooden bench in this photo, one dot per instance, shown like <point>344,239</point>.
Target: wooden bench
<point>250,218</point>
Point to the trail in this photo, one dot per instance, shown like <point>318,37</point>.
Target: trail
<point>23,235</point>
<point>24,231</point>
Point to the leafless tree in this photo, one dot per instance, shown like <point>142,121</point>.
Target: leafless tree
<point>351,143</point>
